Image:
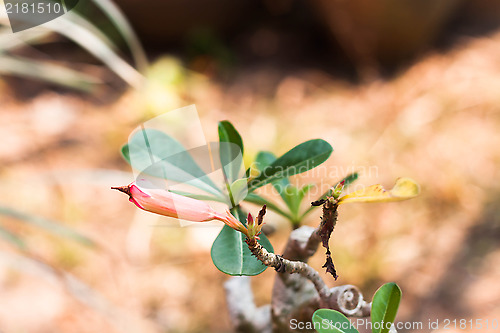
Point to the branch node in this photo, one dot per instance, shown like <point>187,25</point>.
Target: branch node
<point>280,265</point>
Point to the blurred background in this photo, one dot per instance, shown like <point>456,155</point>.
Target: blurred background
<point>399,88</point>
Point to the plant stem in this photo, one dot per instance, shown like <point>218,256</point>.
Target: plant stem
<point>282,265</point>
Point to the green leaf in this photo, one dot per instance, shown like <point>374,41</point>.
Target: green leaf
<point>299,197</point>
<point>227,133</point>
<point>300,159</point>
<point>202,197</point>
<point>54,228</point>
<point>258,200</point>
<point>230,150</point>
<point>304,190</point>
<point>230,253</point>
<point>331,321</point>
<point>157,154</point>
<point>239,190</point>
<point>385,307</point>
<point>247,172</point>
<point>265,159</point>
<point>291,195</point>
<point>349,179</point>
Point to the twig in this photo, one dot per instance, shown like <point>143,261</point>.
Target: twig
<point>282,265</point>
<point>294,297</point>
<point>297,296</point>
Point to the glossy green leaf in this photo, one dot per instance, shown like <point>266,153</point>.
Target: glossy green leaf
<point>331,321</point>
<point>265,159</point>
<point>349,179</point>
<point>248,172</point>
<point>227,133</point>
<point>297,201</point>
<point>294,198</point>
<point>258,200</point>
<point>230,253</point>
<point>291,195</point>
<point>197,196</point>
<point>262,160</point>
<point>157,154</point>
<point>239,190</point>
<point>230,150</point>
<point>385,307</point>
<point>300,159</point>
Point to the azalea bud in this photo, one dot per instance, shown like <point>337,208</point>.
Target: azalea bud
<point>166,203</point>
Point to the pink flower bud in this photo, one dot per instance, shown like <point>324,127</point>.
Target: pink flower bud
<point>166,203</point>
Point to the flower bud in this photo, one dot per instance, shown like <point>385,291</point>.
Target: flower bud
<point>170,204</point>
<point>166,203</point>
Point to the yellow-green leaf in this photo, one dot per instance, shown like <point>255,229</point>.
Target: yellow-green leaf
<point>239,190</point>
<point>405,188</point>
